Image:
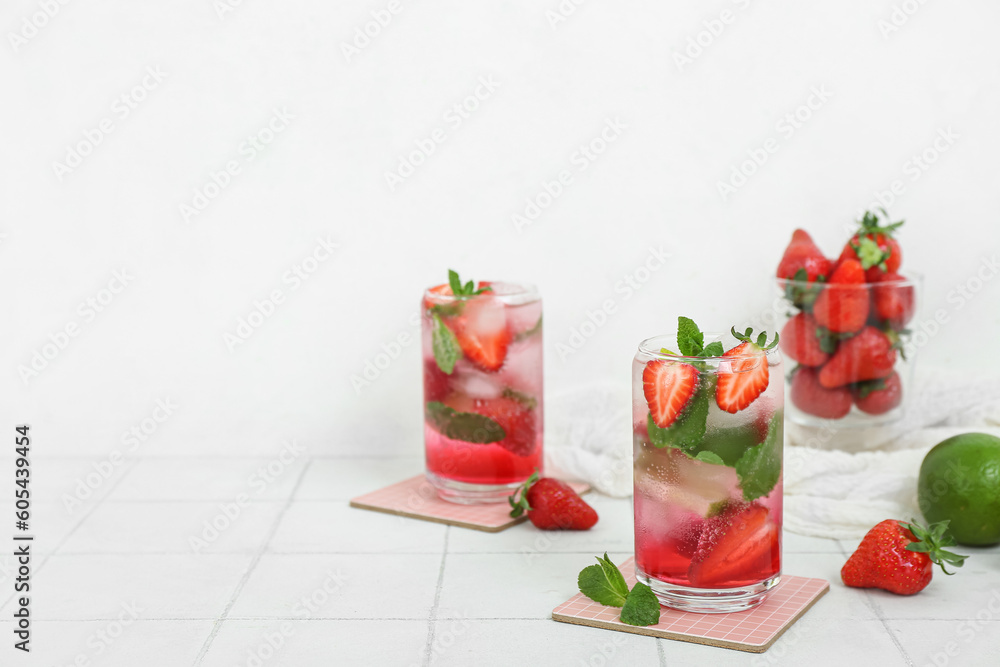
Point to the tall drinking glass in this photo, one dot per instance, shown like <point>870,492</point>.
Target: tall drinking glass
<point>483,405</point>
<point>708,486</point>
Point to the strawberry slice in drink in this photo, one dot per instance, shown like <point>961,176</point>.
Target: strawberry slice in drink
<point>437,383</point>
<point>744,377</point>
<point>519,422</point>
<point>482,332</point>
<point>668,387</point>
<point>739,545</point>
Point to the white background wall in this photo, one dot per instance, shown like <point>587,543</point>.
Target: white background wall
<point>686,127</point>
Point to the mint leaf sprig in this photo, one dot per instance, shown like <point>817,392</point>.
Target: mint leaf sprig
<point>603,583</point>
<point>447,351</point>
<point>468,289</point>
<point>691,341</point>
<point>465,426</point>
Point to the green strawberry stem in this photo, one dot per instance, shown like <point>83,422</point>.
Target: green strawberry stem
<point>520,504</point>
<point>931,540</point>
<point>870,224</point>
<point>761,341</point>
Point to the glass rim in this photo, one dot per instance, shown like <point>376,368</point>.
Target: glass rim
<point>909,279</point>
<point>516,292</point>
<point>646,347</point>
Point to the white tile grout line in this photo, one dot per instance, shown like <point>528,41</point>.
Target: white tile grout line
<point>661,653</point>
<point>877,610</point>
<point>86,515</point>
<point>432,616</point>
<point>250,568</point>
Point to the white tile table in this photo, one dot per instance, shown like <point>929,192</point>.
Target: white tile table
<point>296,577</point>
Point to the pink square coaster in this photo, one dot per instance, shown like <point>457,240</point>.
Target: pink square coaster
<point>754,630</point>
<point>416,498</point>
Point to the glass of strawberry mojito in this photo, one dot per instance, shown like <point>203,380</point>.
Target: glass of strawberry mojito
<point>482,354</point>
<point>707,413</point>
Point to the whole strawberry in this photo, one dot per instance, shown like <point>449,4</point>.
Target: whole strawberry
<point>552,505</point>
<point>803,254</point>
<point>842,307</point>
<point>892,303</point>
<point>899,557</point>
<point>869,355</point>
<point>813,398</point>
<point>874,246</point>
<point>877,397</point>
<point>800,341</point>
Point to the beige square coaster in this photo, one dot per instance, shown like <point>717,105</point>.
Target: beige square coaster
<point>417,498</point>
<point>753,630</point>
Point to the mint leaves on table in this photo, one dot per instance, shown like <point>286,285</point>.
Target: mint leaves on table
<point>641,606</point>
<point>468,289</point>
<point>446,349</point>
<point>760,467</point>
<point>466,426</point>
<point>604,583</point>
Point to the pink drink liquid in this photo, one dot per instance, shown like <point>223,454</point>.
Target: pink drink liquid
<point>671,527</point>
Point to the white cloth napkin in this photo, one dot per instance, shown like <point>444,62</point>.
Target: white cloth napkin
<point>839,487</point>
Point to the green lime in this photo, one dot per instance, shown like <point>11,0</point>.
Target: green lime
<point>960,481</point>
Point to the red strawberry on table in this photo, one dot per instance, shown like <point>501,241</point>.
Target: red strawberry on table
<point>736,544</point>
<point>668,387</point>
<point>892,303</point>
<point>874,246</point>
<point>808,395</point>
<point>745,376</point>
<point>899,557</point>
<point>867,356</point>
<point>877,397</point>
<point>802,253</point>
<point>842,306</point>
<point>800,342</point>
<point>552,505</point>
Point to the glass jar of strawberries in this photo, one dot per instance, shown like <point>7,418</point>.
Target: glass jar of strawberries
<point>846,328</point>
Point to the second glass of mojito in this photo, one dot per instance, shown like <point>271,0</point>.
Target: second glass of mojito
<point>707,443</point>
<point>482,353</point>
